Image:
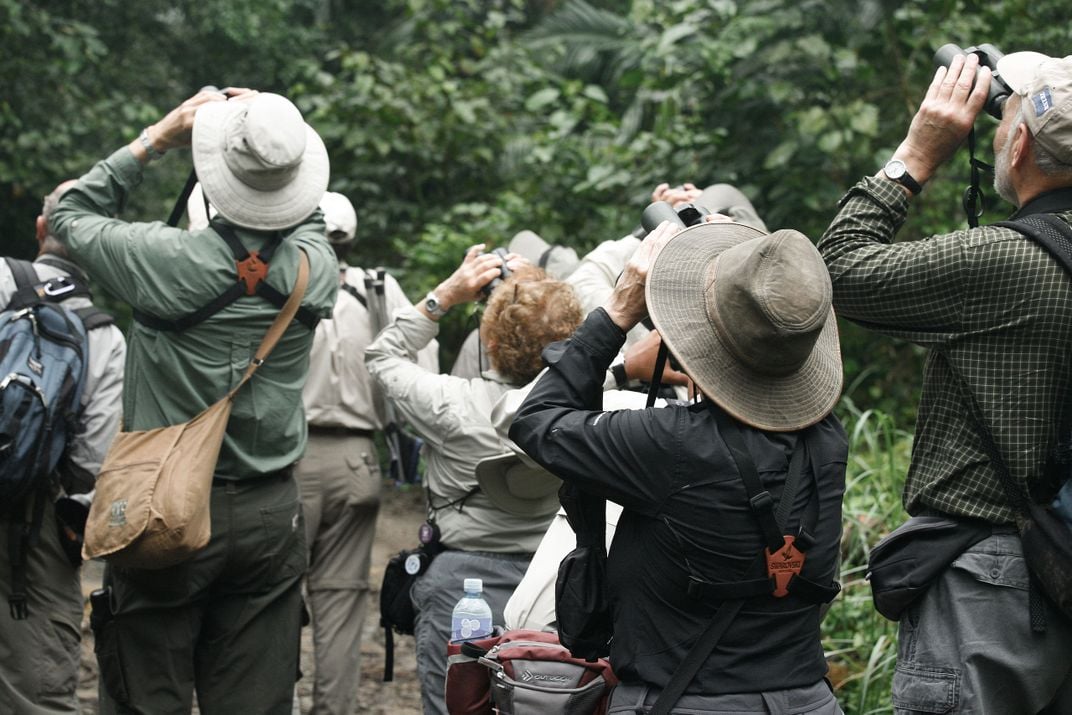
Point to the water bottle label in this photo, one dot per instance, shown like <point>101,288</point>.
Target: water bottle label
<point>465,628</point>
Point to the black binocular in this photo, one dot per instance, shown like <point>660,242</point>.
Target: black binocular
<point>988,57</point>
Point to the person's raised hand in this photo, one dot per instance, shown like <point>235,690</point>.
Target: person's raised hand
<point>175,130</point>
<point>477,269</point>
<point>627,305</point>
<point>676,195</point>
<point>945,116</point>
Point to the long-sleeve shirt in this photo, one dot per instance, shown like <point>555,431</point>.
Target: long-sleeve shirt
<point>453,416</point>
<point>339,391</point>
<point>686,513</point>
<point>102,393</point>
<point>994,303</point>
<point>168,272</point>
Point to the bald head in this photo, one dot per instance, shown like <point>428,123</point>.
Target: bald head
<point>46,242</point>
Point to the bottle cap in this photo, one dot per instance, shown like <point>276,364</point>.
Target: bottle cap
<point>473,584</point>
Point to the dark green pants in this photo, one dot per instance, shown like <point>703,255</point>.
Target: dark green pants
<point>226,623</point>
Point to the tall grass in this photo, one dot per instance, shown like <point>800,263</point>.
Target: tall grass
<point>861,645</point>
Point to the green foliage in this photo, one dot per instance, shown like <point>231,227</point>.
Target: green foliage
<point>861,645</point>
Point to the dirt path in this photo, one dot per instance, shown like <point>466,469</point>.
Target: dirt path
<point>401,514</point>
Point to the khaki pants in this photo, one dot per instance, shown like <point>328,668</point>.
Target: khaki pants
<point>227,622</point>
<point>39,656</point>
<point>339,480</point>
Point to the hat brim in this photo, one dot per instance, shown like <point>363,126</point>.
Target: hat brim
<point>518,487</point>
<point>1017,69</point>
<point>676,302</point>
<point>238,202</point>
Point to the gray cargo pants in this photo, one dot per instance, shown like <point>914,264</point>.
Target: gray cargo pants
<point>967,647</point>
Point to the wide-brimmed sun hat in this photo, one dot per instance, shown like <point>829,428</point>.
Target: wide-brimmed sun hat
<point>748,316</point>
<point>261,166</point>
<point>558,261</point>
<point>517,485</point>
<point>1045,85</point>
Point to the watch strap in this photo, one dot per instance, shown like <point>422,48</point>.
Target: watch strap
<point>902,177</point>
<point>151,150</point>
<point>431,304</point>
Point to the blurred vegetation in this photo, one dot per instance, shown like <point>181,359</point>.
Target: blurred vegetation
<point>451,122</point>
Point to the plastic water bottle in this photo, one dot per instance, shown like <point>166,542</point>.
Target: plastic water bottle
<point>472,615</point>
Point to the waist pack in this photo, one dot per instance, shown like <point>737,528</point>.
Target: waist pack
<point>1047,543</point>
<point>397,614</point>
<point>524,671</point>
<point>151,508</point>
<point>903,565</point>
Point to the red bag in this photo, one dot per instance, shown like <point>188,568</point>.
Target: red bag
<point>524,671</point>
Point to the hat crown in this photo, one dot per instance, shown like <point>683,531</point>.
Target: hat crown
<point>768,299</point>
<point>266,142</point>
<point>1045,86</point>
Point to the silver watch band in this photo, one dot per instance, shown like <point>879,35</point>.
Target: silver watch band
<point>151,150</point>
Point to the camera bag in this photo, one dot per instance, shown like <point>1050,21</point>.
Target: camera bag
<point>397,614</point>
<point>524,671</point>
<point>151,508</point>
<point>902,566</point>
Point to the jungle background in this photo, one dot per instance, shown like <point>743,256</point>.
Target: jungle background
<point>451,122</point>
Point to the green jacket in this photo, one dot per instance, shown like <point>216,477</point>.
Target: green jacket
<point>169,272</point>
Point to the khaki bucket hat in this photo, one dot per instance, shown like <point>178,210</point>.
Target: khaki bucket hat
<point>749,317</point>
<point>260,165</point>
<point>558,261</point>
<point>517,485</point>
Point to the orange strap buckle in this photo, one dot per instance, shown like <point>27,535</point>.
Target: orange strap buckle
<point>251,271</point>
<point>783,564</point>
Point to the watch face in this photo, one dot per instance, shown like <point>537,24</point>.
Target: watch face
<point>895,169</point>
<point>432,305</point>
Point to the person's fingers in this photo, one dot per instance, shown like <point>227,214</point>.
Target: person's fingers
<point>949,82</point>
<point>962,86</point>
<point>718,218</point>
<point>982,90</point>
<point>936,83</point>
<point>472,252</point>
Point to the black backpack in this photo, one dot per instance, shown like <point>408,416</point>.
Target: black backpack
<point>43,356</point>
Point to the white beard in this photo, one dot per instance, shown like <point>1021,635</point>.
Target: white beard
<point>1002,182</point>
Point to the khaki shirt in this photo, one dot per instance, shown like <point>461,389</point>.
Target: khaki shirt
<point>170,272</point>
<point>452,415</point>
<point>339,391</point>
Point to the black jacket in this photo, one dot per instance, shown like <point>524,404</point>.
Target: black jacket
<point>686,511</point>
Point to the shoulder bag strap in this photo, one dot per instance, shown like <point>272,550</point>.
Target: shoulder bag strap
<point>1049,231</point>
<point>280,324</point>
<point>725,614</point>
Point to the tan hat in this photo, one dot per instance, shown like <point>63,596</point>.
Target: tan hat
<point>516,484</point>
<point>729,200</point>
<point>749,317</point>
<point>1044,84</point>
<point>258,162</point>
<point>339,217</point>
<point>558,261</point>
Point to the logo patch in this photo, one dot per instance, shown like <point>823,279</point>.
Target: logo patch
<point>1043,101</point>
<point>118,513</point>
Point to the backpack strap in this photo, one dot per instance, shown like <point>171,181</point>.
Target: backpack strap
<point>93,317</point>
<point>252,269</point>
<point>357,296</point>
<point>1049,231</point>
<point>30,289</point>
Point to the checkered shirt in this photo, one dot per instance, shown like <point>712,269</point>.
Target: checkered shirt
<point>991,300</point>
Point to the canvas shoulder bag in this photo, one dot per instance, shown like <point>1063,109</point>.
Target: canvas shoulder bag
<point>151,508</point>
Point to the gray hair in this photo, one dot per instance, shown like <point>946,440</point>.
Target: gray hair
<point>51,244</point>
<point>1047,163</point>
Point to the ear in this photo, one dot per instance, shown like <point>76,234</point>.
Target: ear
<point>41,229</point>
<point>1021,144</point>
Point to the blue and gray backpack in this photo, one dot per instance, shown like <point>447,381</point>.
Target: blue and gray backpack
<point>43,355</point>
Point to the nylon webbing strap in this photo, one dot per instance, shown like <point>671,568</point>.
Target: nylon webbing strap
<point>184,196</point>
<point>758,498</point>
<point>357,296</point>
<point>657,374</point>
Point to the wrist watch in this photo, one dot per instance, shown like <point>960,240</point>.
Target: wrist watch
<point>896,170</point>
<point>151,150</point>
<point>433,306</point>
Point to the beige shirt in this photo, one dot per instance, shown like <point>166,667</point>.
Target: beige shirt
<point>452,415</point>
<point>339,391</point>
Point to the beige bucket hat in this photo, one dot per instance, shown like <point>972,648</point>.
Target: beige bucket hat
<point>517,485</point>
<point>749,317</point>
<point>1045,85</point>
<point>261,166</point>
<point>339,217</point>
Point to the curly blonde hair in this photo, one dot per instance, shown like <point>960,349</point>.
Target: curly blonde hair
<point>525,314</point>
